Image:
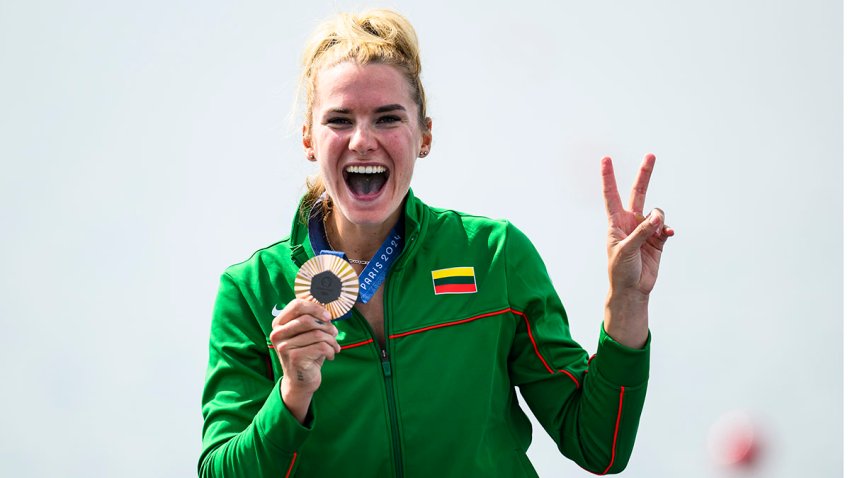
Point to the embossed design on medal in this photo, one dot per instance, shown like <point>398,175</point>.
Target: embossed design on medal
<point>330,281</point>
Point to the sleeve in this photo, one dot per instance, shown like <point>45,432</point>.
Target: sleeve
<point>591,408</point>
<point>248,431</point>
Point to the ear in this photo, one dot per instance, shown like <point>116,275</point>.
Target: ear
<point>425,146</point>
<point>307,142</point>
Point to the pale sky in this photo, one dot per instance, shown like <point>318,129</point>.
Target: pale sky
<point>147,146</point>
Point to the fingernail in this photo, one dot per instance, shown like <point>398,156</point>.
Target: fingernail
<point>654,218</point>
<point>327,315</point>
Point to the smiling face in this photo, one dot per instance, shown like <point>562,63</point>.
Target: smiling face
<point>366,137</point>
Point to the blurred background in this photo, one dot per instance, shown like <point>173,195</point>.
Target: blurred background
<point>147,146</point>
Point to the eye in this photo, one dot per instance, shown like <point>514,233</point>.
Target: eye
<point>338,121</point>
<point>389,119</point>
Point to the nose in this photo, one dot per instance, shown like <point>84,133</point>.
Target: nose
<point>362,140</point>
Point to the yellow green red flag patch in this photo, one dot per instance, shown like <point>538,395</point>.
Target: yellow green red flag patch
<point>454,280</point>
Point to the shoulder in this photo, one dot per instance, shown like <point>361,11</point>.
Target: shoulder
<point>266,261</point>
<point>495,232</point>
<point>451,220</point>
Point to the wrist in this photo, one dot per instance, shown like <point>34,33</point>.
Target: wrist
<point>626,299</point>
<point>627,318</point>
<point>296,401</point>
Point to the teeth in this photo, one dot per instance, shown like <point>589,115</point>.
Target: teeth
<point>365,169</point>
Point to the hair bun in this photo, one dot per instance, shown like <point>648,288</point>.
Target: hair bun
<point>372,36</point>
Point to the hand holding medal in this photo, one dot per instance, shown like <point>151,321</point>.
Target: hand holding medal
<point>303,338</point>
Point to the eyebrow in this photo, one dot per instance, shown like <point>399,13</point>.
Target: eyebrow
<point>387,108</point>
<point>380,109</point>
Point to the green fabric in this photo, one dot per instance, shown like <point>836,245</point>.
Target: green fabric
<point>448,389</point>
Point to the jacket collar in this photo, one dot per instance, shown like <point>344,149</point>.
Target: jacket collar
<point>415,225</point>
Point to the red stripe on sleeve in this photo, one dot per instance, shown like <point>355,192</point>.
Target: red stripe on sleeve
<point>588,363</point>
<point>568,374</point>
<point>531,337</point>
<point>622,389</point>
<point>291,464</point>
<point>537,351</point>
<point>616,430</point>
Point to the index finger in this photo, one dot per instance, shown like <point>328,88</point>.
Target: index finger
<point>609,188</point>
<point>638,196</point>
<point>298,307</point>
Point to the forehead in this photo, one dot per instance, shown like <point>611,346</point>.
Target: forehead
<point>352,86</point>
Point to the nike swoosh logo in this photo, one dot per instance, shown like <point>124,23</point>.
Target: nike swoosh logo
<point>276,311</point>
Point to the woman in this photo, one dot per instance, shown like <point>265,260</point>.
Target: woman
<point>455,311</point>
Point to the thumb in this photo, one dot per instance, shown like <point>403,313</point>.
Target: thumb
<point>650,225</point>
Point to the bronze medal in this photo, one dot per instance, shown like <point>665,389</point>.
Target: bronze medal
<point>330,281</point>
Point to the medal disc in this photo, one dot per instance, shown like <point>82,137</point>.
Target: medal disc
<point>330,281</point>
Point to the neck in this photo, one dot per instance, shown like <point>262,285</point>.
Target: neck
<point>358,241</point>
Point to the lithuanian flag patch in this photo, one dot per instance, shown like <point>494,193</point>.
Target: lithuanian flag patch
<point>454,280</point>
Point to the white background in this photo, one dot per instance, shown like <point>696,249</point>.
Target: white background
<point>146,146</point>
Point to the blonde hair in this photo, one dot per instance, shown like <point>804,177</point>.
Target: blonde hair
<point>374,36</point>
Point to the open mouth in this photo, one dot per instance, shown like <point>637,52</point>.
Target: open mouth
<point>365,181</point>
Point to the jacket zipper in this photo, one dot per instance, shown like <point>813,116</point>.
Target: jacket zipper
<point>388,383</point>
<point>385,364</point>
<point>387,369</point>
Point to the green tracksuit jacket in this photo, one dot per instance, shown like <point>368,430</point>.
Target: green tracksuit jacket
<point>441,399</point>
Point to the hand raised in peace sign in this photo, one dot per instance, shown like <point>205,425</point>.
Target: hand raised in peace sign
<point>635,243</point>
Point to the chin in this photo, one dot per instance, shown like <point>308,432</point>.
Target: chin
<point>375,214</point>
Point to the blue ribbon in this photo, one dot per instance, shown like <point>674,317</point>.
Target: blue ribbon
<point>375,272</point>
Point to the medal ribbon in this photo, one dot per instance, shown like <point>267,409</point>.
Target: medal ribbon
<point>375,272</point>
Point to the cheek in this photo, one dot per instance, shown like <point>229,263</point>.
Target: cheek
<point>329,148</point>
<point>403,143</point>
<point>327,140</point>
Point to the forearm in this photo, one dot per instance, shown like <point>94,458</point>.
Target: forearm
<point>626,318</point>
